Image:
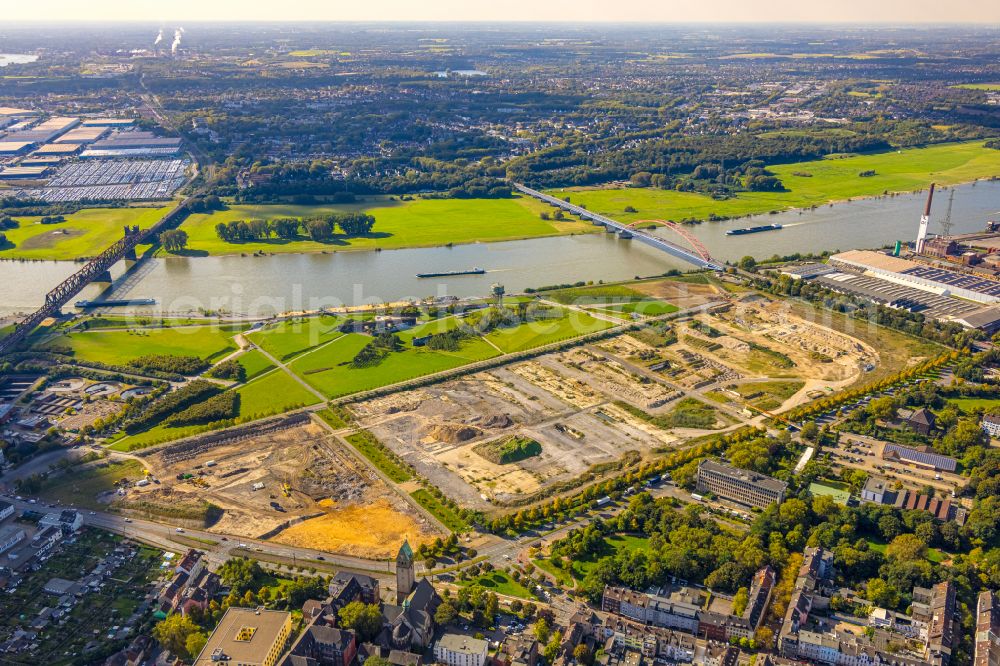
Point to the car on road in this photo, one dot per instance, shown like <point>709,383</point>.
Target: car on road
<point>320,557</point>
<point>128,520</point>
<point>180,530</point>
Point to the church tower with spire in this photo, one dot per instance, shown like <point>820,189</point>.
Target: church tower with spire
<point>405,578</point>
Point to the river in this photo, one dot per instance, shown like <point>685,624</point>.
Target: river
<point>261,286</point>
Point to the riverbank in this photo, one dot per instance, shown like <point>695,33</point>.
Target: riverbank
<point>399,224</point>
<point>828,181</point>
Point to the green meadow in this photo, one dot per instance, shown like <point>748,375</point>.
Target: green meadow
<point>85,233</point>
<point>117,347</point>
<point>287,338</point>
<point>814,183</point>
<point>329,369</point>
<point>416,223</point>
<point>271,393</point>
<point>254,363</point>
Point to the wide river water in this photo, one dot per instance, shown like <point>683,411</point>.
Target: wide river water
<point>261,286</point>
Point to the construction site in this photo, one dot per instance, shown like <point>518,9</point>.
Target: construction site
<point>298,485</point>
<point>593,407</point>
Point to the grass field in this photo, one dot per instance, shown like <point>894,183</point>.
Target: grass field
<point>254,363</point>
<point>768,395</point>
<point>293,336</point>
<point>537,333</point>
<point>417,223</point>
<point>578,569</point>
<point>501,583</point>
<point>969,405</point>
<point>81,488</point>
<point>329,369</point>
<point>118,347</point>
<point>832,179</point>
<point>445,514</point>
<point>989,87</point>
<point>271,393</point>
<point>934,555</point>
<point>85,233</point>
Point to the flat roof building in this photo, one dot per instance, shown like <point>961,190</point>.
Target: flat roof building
<point>15,147</point>
<point>739,485</point>
<point>24,172</point>
<point>247,637</point>
<point>82,135</point>
<point>108,122</point>
<point>62,149</point>
<point>459,650</point>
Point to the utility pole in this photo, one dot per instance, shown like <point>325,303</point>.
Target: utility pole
<point>946,223</point>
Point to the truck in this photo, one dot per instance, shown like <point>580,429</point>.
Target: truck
<point>604,501</point>
<point>653,480</point>
<point>697,498</point>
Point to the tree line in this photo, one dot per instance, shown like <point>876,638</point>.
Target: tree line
<point>289,228</point>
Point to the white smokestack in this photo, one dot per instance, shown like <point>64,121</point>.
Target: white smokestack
<point>924,220</point>
<point>159,37</point>
<point>177,40</point>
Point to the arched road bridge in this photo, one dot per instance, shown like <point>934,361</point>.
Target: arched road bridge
<point>697,254</point>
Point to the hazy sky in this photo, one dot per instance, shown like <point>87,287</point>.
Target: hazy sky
<point>977,11</point>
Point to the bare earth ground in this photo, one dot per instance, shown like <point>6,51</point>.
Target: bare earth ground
<point>314,494</point>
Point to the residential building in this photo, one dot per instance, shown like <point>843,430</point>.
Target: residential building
<point>347,587</point>
<point>991,424</point>
<point>247,637</point>
<point>520,650</point>
<point>919,420</point>
<point>739,485</point>
<point>459,650</point>
<point>325,646</point>
<point>987,648</point>
<point>6,510</point>
<point>10,536</point>
<point>879,490</point>
<point>68,521</point>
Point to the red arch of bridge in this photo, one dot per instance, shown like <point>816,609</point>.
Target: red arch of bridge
<point>691,239</point>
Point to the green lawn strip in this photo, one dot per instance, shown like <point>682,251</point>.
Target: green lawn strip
<point>834,178</point>
<point>85,233</point>
<point>274,392</point>
<point>254,363</point>
<point>287,338</point>
<point>969,405</point>
<point>501,583</point>
<point>379,456</point>
<point>120,347</point>
<point>417,223</point>
<point>330,371</point>
<point>445,514</point>
<point>546,331</point>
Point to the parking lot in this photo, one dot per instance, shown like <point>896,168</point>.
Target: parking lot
<point>864,453</point>
<point>112,180</point>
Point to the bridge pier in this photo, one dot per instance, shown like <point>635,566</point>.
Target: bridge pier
<point>130,257</point>
<point>624,234</point>
<point>610,229</point>
<point>103,278</point>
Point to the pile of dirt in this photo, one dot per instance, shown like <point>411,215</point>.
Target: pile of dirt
<point>498,421</point>
<point>452,433</point>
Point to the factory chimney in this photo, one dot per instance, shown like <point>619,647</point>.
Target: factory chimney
<point>924,219</point>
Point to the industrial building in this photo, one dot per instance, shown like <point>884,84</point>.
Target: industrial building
<point>12,148</point>
<point>133,144</point>
<point>116,123</point>
<point>922,457</point>
<point>940,293</point>
<point>82,135</point>
<point>739,485</point>
<point>24,172</point>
